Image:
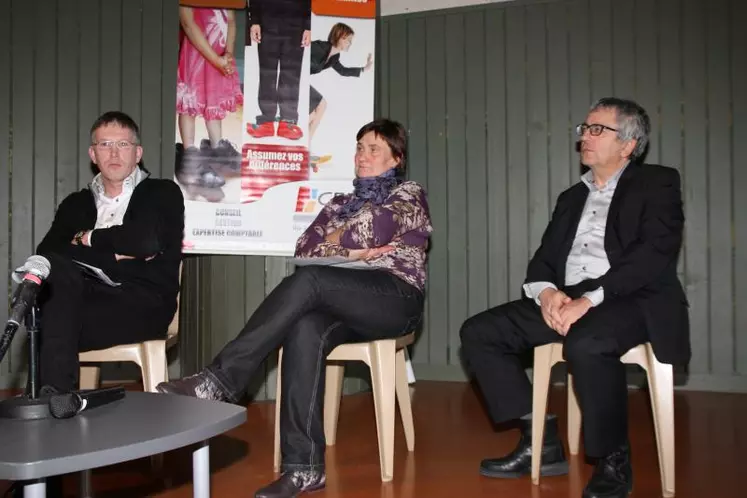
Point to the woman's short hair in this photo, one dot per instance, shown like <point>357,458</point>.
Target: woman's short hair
<point>395,136</point>
<point>338,32</point>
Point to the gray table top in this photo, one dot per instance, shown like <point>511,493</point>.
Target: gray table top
<point>139,425</point>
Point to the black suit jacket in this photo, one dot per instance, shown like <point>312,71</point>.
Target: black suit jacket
<point>320,60</point>
<point>642,240</point>
<point>153,225</point>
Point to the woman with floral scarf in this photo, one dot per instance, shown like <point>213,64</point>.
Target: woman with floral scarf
<point>384,226</point>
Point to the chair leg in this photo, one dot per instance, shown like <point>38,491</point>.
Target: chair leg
<point>661,388</point>
<point>574,418</point>
<point>408,367</point>
<point>153,367</point>
<point>383,379</point>
<point>154,364</point>
<point>89,377</point>
<point>278,388</point>
<point>335,374</point>
<point>657,428</point>
<point>403,398</point>
<point>541,385</point>
<point>156,464</point>
<point>85,487</point>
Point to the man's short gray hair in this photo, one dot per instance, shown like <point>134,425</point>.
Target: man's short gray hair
<point>632,122</point>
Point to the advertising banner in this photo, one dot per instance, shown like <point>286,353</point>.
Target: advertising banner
<point>266,131</point>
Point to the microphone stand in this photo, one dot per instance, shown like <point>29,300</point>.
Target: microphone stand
<point>29,406</point>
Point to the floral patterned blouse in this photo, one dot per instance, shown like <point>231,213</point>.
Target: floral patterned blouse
<point>402,221</point>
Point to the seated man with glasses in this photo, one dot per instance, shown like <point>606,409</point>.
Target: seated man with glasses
<point>603,280</point>
<point>126,224</point>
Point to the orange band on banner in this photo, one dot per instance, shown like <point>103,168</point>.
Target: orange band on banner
<point>344,8</point>
<point>218,4</point>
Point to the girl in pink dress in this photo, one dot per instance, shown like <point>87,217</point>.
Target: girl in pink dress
<point>208,86</point>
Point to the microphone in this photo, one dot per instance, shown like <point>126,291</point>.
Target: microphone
<point>36,270</point>
<point>70,404</point>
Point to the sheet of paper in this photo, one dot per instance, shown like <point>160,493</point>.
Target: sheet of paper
<point>97,273</point>
<point>337,261</point>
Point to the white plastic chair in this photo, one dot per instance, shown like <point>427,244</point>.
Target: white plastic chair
<point>386,359</point>
<point>150,356</point>
<point>661,388</point>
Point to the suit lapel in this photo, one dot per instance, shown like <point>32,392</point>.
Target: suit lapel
<point>91,212</point>
<point>622,186</point>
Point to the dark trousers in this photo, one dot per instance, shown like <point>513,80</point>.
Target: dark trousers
<point>79,313</point>
<point>309,314</point>
<point>279,90</point>
<point>493,340</point>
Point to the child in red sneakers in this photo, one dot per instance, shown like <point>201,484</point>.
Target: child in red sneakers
<point>281,29</point>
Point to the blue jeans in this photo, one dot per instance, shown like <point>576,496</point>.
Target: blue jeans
<point>309,314</point>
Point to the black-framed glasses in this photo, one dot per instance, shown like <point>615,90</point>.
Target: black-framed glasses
<point>595,129</point>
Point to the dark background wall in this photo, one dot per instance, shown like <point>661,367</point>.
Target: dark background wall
<point>490,95</point>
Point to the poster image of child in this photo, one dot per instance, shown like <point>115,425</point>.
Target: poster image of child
<point>208,92</point>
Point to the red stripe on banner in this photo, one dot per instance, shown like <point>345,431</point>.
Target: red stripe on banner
<point>304,195</point>
<point>215,4</point>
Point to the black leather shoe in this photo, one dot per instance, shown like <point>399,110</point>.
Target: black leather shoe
<point>292,484</point>
<point>519,461</point>
<point>199,385</point>
<point>612,477</point>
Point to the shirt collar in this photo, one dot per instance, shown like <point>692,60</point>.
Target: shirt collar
<point>588,179</point>
<point>128,186</point>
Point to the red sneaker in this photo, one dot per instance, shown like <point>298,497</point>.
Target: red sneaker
<point>289,130</point>
<point>260,131</point>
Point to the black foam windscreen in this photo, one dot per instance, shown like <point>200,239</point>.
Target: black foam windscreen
<point>70,404</point>
<point>65,405</point>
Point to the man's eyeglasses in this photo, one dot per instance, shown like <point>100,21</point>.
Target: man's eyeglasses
<point>107,145</point>
<point>594,129</point>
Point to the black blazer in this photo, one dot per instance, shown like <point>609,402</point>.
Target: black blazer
<point>320,60</point>
<point>153,225</point>
<point>642,240</point>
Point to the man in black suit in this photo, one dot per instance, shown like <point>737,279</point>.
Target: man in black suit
<point>126,224</point>
<point>602,281</point>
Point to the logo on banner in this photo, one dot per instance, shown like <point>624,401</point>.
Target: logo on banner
<point>306,201</point>
<point>309,201</point>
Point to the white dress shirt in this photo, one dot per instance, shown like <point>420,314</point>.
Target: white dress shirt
<point>110,211</point>
<point>587,258</point>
